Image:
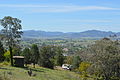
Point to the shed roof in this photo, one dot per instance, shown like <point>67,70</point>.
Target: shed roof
<point>18,56</point>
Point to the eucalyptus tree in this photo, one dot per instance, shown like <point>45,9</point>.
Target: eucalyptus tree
<point>58,56</point>
<point>35,54</point>
<point>11,31</point>
<point>27,54</point>
<point>105,59</point>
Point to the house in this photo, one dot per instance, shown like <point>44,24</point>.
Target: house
<point>18,61</point>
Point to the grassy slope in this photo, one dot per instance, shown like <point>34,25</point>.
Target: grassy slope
<point>41,74</point>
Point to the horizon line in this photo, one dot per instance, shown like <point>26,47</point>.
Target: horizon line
<point>73,31</point>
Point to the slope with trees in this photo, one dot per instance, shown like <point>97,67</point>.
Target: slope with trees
<point>104,57</point>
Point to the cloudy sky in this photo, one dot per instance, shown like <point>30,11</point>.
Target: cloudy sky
<point>64,15</point>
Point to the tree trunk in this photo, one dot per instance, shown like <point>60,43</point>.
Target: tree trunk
<point>26,64</point>
<point>11,55</point>
<point>34,65</point>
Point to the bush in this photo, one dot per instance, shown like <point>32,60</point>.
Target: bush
<point>7,56</point>
<point>84,66</point>
<point>5,63</point>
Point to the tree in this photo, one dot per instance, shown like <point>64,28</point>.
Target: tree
<point>69,60</point>
<point>51,56</point>
<point>76,61</point>
<point>11,31</point>
<point>105,59</point>
<point>1,52</point>
<point>27,54</point>
<point>35,54</point>
<point>17,50</point>
<point>7,56</point>
<point>83,66</point>
<point>46,57</point>
<point>58,58</point>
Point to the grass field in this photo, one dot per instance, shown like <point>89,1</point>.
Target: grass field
<point>13,73</point>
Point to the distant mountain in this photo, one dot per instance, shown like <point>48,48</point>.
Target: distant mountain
<point>33,33</point>
<point>89,33</point>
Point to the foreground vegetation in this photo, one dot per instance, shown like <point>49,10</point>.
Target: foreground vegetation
<point>39,73</point>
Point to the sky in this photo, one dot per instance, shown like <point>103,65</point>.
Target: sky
<point>64,15</point>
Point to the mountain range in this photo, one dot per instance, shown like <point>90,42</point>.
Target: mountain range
<point>89,33</point>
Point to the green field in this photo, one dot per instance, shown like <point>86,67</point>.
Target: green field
<point>13,73</point>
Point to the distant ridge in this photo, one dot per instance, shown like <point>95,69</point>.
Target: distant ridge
<point>89,33</point>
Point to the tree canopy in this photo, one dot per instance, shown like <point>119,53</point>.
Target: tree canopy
<point>11,31</point>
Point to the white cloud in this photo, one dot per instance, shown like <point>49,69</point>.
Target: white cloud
<point>85,21</point>
<point>22,5</point>
<point>56,8</point>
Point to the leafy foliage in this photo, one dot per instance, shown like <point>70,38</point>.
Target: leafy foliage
<point>105,58</point>
<point>11,31</point>
<point>27,55</point>
<point>46,57</point>
<point>76,61</point>
<point>68,59</point>
<point>58,58</point>
<point>51,56</point>
<point>34,54</point>
<point>7,56</point>
<point>84,66</point>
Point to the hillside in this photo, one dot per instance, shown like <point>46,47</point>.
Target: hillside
<point>89,33</point>
<point>13,73</point>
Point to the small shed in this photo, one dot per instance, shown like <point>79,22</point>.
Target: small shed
<point>18,61</point>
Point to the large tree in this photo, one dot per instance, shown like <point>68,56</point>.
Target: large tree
<point>51,56</point>
<point>58,57</point>
<point>46,57</point>
<point>105,59</point>
<point>11,31</point>
<point>35,54</point>
<point>27,54</point>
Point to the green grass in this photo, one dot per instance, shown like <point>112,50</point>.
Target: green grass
<point>14,73</point>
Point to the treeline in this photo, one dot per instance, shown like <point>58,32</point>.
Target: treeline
<point>100,61</point>
<point>46,56</point>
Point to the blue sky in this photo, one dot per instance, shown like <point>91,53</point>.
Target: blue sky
<point>64,15</point>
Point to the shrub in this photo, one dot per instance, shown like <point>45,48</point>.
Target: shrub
<point>84,66</point>
<point>7,56</point>
<point>5,63</point>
